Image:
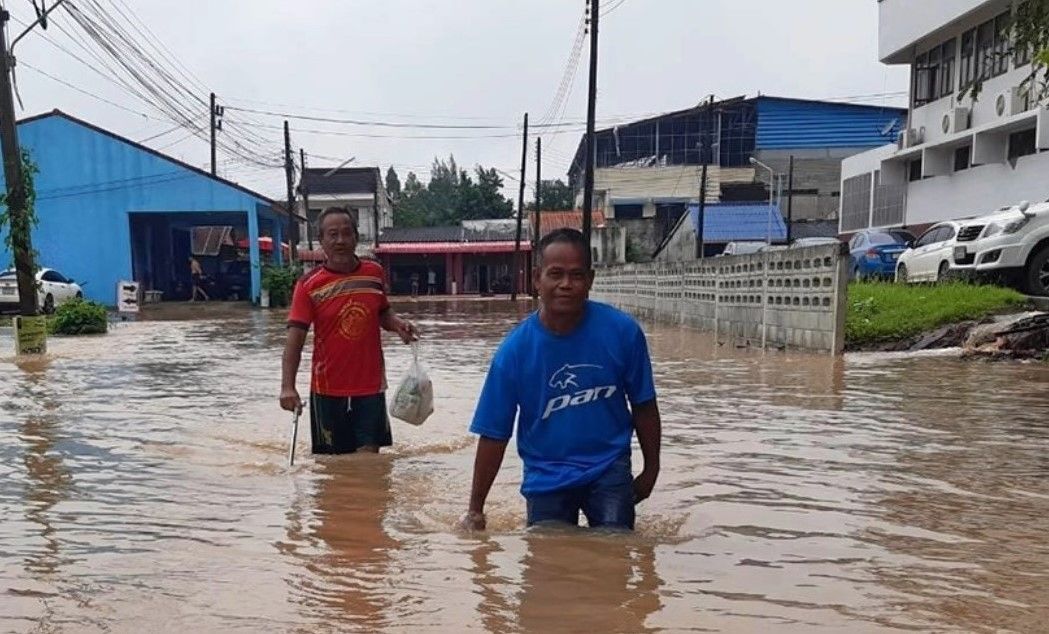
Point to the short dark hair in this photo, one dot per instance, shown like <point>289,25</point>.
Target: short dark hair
<point>337,210</point>
<point>560,236</point>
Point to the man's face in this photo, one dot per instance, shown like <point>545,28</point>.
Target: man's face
<point>338,237</point>
<point>563,280</point>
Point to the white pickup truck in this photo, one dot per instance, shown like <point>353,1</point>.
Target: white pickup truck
<point>1012,244</point>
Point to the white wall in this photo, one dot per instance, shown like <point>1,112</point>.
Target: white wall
<point>902,23</point>
<point>978,190</point>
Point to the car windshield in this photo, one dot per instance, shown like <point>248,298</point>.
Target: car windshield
<point>10,273</point>
<point>888,238</point>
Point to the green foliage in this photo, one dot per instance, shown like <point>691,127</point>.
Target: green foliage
<point>279,281</point>
<point>451,195</point>
<point>1029,33</point>
<point>18,236</point>
<point>882,311</point>
<point>393,184</point>
<point>79,317</point>
<point>555,195</point>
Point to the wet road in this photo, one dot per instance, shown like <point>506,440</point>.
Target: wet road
<point>144,486</point>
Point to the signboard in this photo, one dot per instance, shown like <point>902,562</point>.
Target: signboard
<point>127,297</point>
<point>31,335</point>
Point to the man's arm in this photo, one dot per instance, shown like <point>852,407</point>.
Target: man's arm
<point>489,458</point>
<point>390,322</point>
<point>649,431</point>
<point>289,368</point>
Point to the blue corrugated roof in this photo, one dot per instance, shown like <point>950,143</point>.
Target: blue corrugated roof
<point>726,222</point>
<point>788,124</point>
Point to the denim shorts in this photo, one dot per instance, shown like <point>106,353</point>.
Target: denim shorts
<point>607,502</point>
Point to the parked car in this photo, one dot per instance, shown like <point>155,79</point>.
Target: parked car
<point>743,247</point>
<point>873,252</point>
<point>1011,244</point>
<point>53,289</point>
<point>929,258</point>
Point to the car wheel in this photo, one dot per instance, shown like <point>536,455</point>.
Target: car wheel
<point>49,304</point>
<point>79,295</point>
<point>1036,277</point>
<point>943,272</point>
<point>856,273</point>
<point>901,274</point>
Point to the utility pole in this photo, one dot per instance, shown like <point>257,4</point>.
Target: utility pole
<point>591,146</point>
<point>289,174</point>
<point>31,331</point>
<point>214,120</point>
<point>304,190</point>
<point>790,200</point>
<point>704,144</point>
<point>538,234</point>
<point>520,213</point>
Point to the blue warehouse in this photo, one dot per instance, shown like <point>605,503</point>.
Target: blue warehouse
<point>110,209</point>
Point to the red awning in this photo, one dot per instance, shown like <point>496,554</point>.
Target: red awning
<point>450,247</point>
<point>265,244</point>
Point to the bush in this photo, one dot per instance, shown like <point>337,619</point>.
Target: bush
<point>279,281</point>
<point>79,317</point>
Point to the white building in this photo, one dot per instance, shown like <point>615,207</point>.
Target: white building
<point>359,189</point>
<point>957,157</point>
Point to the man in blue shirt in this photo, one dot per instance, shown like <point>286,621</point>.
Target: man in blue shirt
<point>576,376</point>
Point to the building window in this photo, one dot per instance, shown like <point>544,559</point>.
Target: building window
<point>1002,28</point>
<point>629,212</point>
<point>967,68</point>
<point>1022,143</point>
<point>914,170</point>
<point>924,80</point>
<point>985,50</point>
<point>1025,12</point>
<point>963,158</point>
<point>950,51</point>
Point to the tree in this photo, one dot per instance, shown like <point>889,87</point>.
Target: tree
<point>393,183</point>
<point>555,195</point>
<point>451,195</point>
<point>1029,31</point>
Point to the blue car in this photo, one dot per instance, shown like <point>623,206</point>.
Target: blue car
<point>873,253</point>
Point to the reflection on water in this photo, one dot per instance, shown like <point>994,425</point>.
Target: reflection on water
<point>143,485</point>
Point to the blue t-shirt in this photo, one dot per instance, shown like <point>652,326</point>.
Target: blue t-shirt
<point>570,395</point>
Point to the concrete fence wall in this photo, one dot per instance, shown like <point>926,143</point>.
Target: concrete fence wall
<point>793,298</point>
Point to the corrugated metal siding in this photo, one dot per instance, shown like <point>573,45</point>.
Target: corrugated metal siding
<point>725,222</point>
<point>787,124</point>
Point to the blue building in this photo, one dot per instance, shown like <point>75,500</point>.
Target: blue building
<point>648,172</point>
<point>110,209</point>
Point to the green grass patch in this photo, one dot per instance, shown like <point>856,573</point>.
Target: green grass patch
<point>880,312</point>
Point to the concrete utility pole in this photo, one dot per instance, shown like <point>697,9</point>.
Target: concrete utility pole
<point>591,148</point>
<point>790,200</point>
<point>304,190</point>
<point>289,174</point>
<point>30,328</point>
<point>520,213</point>
<point>216,125</point>
<point>537,234</point>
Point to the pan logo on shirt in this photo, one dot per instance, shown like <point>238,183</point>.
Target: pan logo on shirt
<point>568,377</point>
<point>353,320</point>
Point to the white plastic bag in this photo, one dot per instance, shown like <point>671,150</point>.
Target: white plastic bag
<point>413,400</point>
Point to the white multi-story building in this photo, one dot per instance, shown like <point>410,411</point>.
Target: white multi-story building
<point>958,155</point>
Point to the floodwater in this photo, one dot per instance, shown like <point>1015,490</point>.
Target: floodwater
<point>144,486</point>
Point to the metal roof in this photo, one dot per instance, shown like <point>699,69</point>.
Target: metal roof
<point>789,124</point>
<point>728,222</point>
<point>346,180</point>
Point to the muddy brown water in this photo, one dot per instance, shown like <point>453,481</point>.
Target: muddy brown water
<point>144,487</point>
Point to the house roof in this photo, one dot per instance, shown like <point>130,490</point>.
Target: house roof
<point>345,180</point>
<point>421,234</point>
<point>550,221</point>
<point>728,222</point>
<point>495,230</point>
<point>113,135</point>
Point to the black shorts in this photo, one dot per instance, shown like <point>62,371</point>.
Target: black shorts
<point>342,424</point>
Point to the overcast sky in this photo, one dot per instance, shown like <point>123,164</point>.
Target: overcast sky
<point>455,62</point>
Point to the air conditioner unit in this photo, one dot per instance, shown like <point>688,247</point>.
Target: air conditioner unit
<point>956,120</point>
<point>901,140</point>
<point>915,136</point>
<point>1013,102</point>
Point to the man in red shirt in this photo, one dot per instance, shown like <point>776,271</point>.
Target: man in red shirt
<point>345,302</point>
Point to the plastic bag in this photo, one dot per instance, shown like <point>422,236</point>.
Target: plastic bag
<point>413,400</point>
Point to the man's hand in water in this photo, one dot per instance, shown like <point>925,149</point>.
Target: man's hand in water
<point>289,399</point>
<point>643,485</point>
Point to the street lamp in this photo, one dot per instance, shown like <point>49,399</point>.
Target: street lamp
<point>772,177</point>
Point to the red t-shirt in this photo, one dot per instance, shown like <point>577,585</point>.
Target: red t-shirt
<point>344,310</point>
